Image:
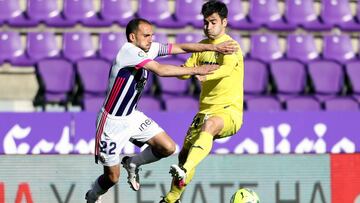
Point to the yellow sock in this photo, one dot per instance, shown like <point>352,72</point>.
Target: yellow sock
<point>199,150</point>
<point>175,192</point>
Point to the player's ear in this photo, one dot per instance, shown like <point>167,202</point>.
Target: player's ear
<point>132,37</point>
<point>224,22</point>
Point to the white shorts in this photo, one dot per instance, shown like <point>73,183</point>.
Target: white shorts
<point>113,132</point>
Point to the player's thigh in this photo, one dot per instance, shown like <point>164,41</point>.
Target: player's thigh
<point>194,130</point>
<point>112,135</point>
<point>232,122</point>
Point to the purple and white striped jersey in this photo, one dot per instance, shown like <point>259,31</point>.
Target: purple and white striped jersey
<point>128,78</point>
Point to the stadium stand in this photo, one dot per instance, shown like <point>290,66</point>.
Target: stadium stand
<point>299,55</point>
<point>58,82</point>
<point>93,75</point>
<point>301,47</point>
<point>256,78</point>
<point>289,78</point>
<point>302,103</point>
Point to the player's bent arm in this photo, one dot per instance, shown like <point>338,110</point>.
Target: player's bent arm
<point>225,69</point>
<point>165,70</point>
<point>191,47</point>
<point>227,47</point>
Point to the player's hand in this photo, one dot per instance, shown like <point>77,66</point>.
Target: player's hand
<point>227,47</point>
<point>206,69</point>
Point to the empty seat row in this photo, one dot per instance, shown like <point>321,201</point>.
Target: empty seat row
<point>261,13</point>
<point>322,79</point>
<point>301,104</point>
<point>78,45</point>
<point>85,83</point>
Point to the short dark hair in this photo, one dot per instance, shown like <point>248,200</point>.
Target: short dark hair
<point>214,6</point>
<point>133,25</point>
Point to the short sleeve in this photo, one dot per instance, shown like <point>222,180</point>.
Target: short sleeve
<point>133,56</point>
<point>159,49</point>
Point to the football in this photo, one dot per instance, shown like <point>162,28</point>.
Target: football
<point>245,195</point>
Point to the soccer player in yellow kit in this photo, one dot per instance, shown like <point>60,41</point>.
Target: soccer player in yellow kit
<point>221,100</point>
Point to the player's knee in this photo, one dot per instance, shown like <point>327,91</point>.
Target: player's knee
<point>165,150</point>
<point>169,149</point>
<point>212,126</point>
<point>113,177</point>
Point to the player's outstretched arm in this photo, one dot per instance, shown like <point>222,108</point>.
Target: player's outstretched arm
<point>166,70</point>
<point>227,47</point>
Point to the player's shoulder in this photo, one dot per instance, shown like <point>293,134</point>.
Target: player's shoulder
<point>129,49</point>
<point>228,37</point>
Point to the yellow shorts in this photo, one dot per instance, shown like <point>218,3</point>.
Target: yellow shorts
<point>231,116</point>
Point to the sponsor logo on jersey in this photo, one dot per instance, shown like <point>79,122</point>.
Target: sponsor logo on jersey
<point>145,124</point>
<point>141,54</point>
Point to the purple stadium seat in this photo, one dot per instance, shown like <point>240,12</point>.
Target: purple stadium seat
<point>160,37</point>
<point>170,60</point>
<point>119,11</point>
<point>84,12</point>
<point>45,11</point>
<point>341,104</point>
<point>181,104</point>
<point>263,104</point>
<point>302,104</point>
<point>267,13</point>
<point>302,13</point>
<point>256,77</point>
<point>353,73</point>
<point>58,77</point>
<point>170,86</point>
<point>93,103</point>
<point>301,47</point>
<point>41,45</point>
<point>265,47</point>
<point>189,12</point>
<point>238,39</point>
<point>11,13</point>
<point>187,38</point>
<point>237,17</point>
<point>93,74</point>
<point>110,43</point>
<point>77,45</point>
<point>338,47</point>
<point>327,78</point>
<point>149,103</point>
<point>173,87</point>
<point>338,13</point>
<point>157,12</point>
<point>289,77</point>
<point>12,50</point>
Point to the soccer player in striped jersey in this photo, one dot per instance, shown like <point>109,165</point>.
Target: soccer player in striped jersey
<point>119,120</point>
<point>221,100</point>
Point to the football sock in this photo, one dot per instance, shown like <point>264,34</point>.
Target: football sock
<point>145,157</point>
<point>100,186</point>
<point>199,150</point>
<point>175,191</point>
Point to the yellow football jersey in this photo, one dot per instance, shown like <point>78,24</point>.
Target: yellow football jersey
<point>225,86</point>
